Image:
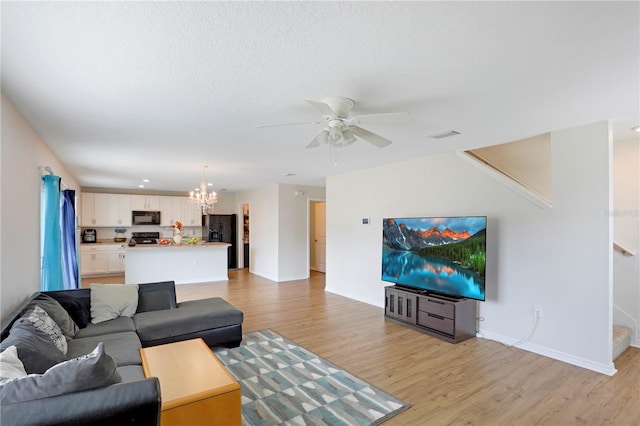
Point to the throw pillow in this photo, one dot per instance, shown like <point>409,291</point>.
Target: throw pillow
<point>109,301</point>
<point>10,365</point>
<point>90,371</point>
<point>36,350</point>
<point>156,296</point>
<point>57,313</point>
<point>43,322</point>
<point>77,309</point>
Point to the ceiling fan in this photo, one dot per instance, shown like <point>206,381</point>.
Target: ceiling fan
<point>341,130</point>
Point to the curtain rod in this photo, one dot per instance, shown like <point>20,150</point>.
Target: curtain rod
<point>46,170</point>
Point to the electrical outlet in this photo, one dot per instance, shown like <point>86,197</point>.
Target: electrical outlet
<point>537,311</point>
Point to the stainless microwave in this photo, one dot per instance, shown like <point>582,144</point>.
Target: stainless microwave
<point>145,218</point>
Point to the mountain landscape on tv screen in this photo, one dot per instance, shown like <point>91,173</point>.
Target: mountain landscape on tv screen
<point>458,246</point>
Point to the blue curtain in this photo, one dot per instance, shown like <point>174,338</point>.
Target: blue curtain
<point>52,239</point>
<point>68,231</point>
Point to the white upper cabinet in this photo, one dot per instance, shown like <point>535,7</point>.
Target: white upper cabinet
<point>179,208</point>
<point>145,203</point>
<point>93,209</point>
<point>102,210</point>
<point>191,214</point>
<point>118,210</point>
<point>170,210</point>
<point>114,210</point>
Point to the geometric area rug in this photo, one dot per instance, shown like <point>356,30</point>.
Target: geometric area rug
<point>283,383</point>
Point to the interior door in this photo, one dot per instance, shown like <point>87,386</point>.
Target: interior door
<point>320,236</point>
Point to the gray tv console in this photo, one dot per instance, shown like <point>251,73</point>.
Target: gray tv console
<point>452,320</point>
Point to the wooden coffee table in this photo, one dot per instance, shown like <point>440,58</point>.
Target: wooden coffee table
<point>195,387</point>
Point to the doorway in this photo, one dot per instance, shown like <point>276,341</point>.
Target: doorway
<point>245,235</point>
<point>317,235</point>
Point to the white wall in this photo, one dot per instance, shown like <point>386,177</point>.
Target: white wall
<point>226,203</point>
<point>279,229</point>
<point>557,258</point>
<point>626,231</point>
<point>263,230</point>
<point>293,232</point>
<point>22,153</point>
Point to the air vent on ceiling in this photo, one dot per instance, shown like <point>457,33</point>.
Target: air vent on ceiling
<point>444,134</point>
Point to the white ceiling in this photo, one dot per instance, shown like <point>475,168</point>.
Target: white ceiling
<point>122,91</point>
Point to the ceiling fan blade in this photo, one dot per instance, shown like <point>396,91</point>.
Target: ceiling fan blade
<point>320,138</point>
<point>324,108</point>
<point>383,118</point>
<point>288,124</point>
<point>372,138</point>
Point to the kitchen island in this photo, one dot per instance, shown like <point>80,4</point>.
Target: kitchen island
<point>184,264</point>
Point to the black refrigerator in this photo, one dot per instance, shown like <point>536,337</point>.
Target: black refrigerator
<point>222,228</point>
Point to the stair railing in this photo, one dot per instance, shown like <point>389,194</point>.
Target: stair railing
<point>617,246</point>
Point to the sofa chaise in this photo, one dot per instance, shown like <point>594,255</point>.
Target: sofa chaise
<point>99,380</point>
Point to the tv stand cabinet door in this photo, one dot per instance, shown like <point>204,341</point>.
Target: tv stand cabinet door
<point>401,305</point>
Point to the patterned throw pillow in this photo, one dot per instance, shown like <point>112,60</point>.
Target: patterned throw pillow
<point>57,314</point>
<point>43,322</point>
<point>36,350</point>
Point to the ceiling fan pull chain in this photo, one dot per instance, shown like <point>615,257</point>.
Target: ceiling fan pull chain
<point>333,155</point>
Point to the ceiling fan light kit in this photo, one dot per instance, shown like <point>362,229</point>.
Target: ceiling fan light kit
<point>340,130</point>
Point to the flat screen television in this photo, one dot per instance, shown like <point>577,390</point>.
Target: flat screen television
<point>440,255</point>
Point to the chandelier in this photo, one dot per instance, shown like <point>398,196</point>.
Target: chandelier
<point>201,199</point>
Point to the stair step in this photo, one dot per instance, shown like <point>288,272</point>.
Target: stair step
<point>621,339</point>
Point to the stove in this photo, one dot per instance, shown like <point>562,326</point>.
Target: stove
<point>145,237</point>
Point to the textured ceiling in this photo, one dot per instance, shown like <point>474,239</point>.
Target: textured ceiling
<point>122,91</point>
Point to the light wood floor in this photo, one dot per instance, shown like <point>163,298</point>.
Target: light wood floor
<point>477,382</point>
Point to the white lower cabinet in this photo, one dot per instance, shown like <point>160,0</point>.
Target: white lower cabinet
<point>115,261</point>
<point>101,259</point>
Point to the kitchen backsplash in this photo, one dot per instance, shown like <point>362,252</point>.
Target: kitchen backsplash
<point>165,232</point>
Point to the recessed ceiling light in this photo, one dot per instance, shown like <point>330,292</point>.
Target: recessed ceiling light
<point>145,180</point>
<point>637,128</point>
<point>209,184</point>
<point>444,134</point>
<point>288,174</point>
<point>140,186</point>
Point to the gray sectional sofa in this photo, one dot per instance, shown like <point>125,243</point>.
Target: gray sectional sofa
<point>123,394</point>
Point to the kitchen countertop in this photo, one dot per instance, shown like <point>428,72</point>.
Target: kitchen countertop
<point>154,246</point>
<point>106,241</point>
<point>110,241</point>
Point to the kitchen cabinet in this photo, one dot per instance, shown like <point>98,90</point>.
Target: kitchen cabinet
<point>101,259</point>
<point>114,210</point>
<point>93,260</point>
<point>170,210</point>
<point>118,210</point>
<point>93,209</point>
<point>100,210</point>
<point>145,202</point>
<point>179,208</point>
<point>191,214</point>
<point>115,261</point>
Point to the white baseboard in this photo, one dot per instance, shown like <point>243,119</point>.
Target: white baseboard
<point>608,369</point>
